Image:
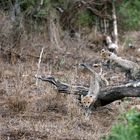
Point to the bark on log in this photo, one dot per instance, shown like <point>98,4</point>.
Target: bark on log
<point>107,95</point>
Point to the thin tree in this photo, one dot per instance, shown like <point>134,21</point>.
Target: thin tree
<point>115,28</point>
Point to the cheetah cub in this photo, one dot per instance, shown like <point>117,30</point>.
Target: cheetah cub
<point>131,69</point>
<point>94,89</point>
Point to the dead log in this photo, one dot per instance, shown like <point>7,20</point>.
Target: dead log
<point>107,95</point>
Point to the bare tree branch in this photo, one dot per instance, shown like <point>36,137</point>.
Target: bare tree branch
<point>38,65</point>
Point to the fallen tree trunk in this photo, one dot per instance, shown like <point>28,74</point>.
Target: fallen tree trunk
<point>107,95</point>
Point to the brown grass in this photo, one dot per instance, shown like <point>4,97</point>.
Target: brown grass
<point>30,112</point>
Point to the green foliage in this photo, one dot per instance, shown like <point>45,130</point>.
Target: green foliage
<point>130,10</point>
<point>127,129</point>
<point>27,4</point>
<point>85,18</point>
<point>32,7</point>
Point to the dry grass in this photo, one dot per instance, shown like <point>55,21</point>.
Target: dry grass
<point>31,112</point>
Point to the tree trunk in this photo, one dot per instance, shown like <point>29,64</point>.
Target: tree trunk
<point>114,22</point>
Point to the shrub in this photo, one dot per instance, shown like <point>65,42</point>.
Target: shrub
<point>85,18</point>
<point>130,14</point>
<point>127,129</point>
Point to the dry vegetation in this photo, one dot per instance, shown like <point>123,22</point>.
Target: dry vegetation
<point>30,112</point>
<point>38,112</point>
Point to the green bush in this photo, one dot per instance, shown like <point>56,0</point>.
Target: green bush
<point>127,129</point>
<point>130,11</point>
<point>85,18</point>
